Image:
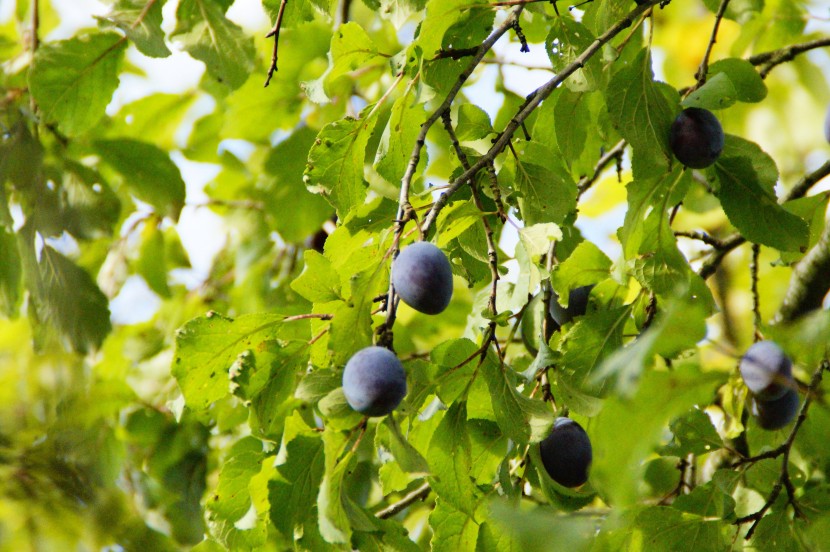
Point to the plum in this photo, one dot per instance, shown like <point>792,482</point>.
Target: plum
<point>696,138</point>
<point>422,278</point>
<point>532,319</point>
<point>776,413</point>
<point>766,371</point>
<point>566,453</point>
<point>577,305</point>
<point>374,381</point>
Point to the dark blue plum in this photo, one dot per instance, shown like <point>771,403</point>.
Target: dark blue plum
<point>767,371</point>
<point>422,278</point>
<point>777,413</point>
<point>374,381</point>
<point>577,305</point>
<point>566,453</point>
<point>696,138</point>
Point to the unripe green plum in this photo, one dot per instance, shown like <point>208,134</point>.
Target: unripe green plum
<point>696,138</point>
<point>776,413</point>
<point>422,277</point>
<point>374,381</point>
<point>766,371</point>
<point>566,453</point>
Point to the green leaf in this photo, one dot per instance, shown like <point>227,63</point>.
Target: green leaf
<point>339,514</point>
<point>450,461</point>
<point>627,430</point>
<point>522,419</point>
<point>233,515</point>
<point>408,458</point>
<point>566,40</point>
<point>572,119</point>
<point>10,274</point>
<point>73,80</point>
<point>664,529</point>
<point>207,35</point>
<point>72,302</point>
<point>748,84</point>
<point>589,341</point>
<point>473,123</point>
<point>399,11</point>
<point>151,263</point>
<point>542,529</point>
<point>707,500</point>
<point>641,112</point>
<point>643,194</point>
<point>401,132</point>
<point>335,162</point>
<point>537,238</point>
<point>717,93</point>
<point>292,493</point>
<point>586,265</point>
<point>141,25</point>
<point>90,208</point>
<point>745,177</point>
<point>351,48</point>
<point>545,189</point>
<point>207,346</point>
<point>440,16</point>
<point>679,325</point>
<point>319,282</point>
<point>452,529</point>
<point>692,433</point>
<point>148,172</point>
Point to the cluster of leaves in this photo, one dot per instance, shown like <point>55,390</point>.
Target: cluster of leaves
<point>221,422</point>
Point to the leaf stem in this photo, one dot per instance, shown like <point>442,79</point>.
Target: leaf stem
<point>275,32</point>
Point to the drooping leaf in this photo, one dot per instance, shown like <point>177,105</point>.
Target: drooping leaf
<point>335,162</point>
<point>745,177</point>
<point>209,36</point>
<point>640,112</point>
<point>73,80</point>
<point>72,302</point>
<point>141,24</point>
<point>148,172</point>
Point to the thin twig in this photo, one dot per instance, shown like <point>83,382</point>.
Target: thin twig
<point>756,299</point>
<point>769,60</point>
<point>418,494</point>
<point>614,154</point>
<point>700,236</point>
<point>704,63</point>
<point>275,32</point>
<point>319,316</point>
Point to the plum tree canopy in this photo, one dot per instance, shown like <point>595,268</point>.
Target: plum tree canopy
<point>201,202</point>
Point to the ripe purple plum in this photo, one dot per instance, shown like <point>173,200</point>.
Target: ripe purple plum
<point>766,371</point>
<point>566,453</point>
<point>422,278</point>
<point>374,381</point>
<point>696,138</point>
<point>776,413</point>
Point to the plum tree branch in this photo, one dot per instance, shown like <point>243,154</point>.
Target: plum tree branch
<point>768,60</point>
<point>710,265</point>
<point>809,282</point>
<point>418,494</point>
<point>531,103</point>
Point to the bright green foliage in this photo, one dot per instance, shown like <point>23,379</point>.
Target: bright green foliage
<point>186,266</point>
